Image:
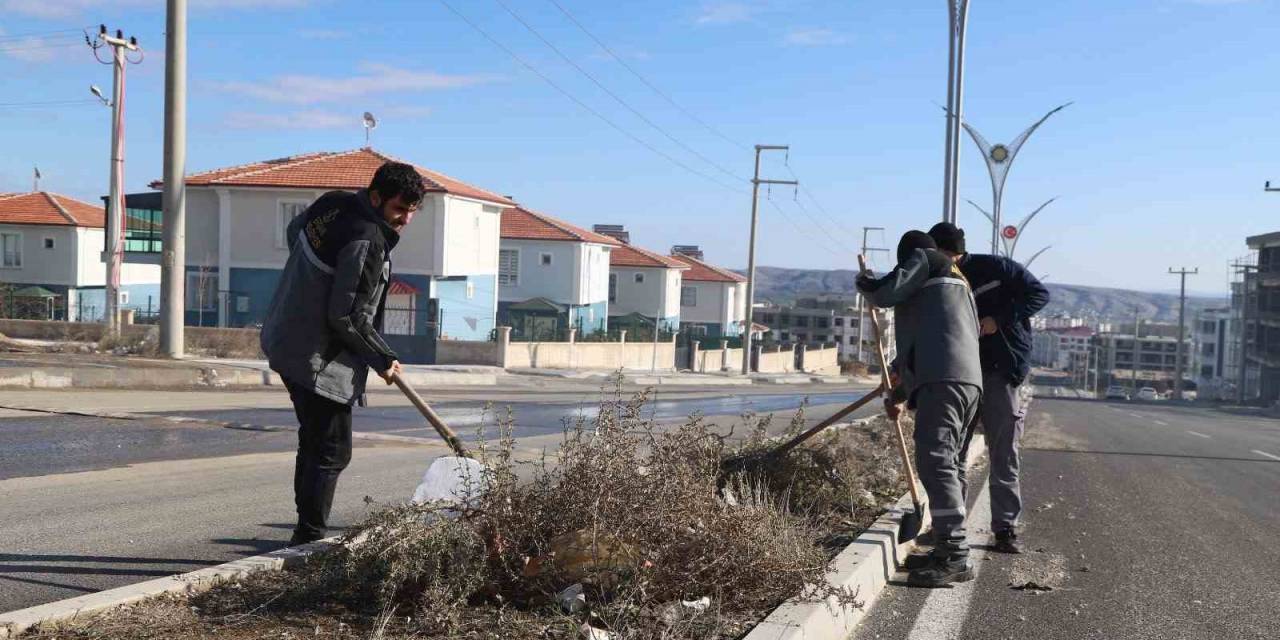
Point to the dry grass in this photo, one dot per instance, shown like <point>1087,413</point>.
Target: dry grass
<point>631,513</point>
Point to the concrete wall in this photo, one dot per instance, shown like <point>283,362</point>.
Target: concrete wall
<point>717,360</point>
<point>468,352</point>
<point>241,343</point>
<point>590,355</point>
<point>777,362</point>
<point>822,361</point>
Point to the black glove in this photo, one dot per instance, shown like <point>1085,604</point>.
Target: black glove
<point>866,282</point>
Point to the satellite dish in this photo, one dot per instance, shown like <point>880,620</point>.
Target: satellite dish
<point>370,123</point>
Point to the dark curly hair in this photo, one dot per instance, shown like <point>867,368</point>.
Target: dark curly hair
<point>399,179</point>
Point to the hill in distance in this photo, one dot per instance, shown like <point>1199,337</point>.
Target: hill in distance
<point>784,285</point>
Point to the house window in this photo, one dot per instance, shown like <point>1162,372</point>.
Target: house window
<point>639,278</point>
<point>688,296</point>
<point>544,259</point>
<point>11,243</point>
<point>202,291</point>
<point>509,267</point>
<point>289,209</point>
<point>48,243</point>
<point>839,322</point>
<point>613,287</point>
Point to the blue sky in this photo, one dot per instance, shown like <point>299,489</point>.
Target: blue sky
<point>1159,163</point>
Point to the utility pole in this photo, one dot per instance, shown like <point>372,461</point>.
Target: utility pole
<point>174,225</point>
<point>1182,329</point>
<point>115,198</point>
<point>1134,385</point>
<point>862,303</point>
<point>751,252</point>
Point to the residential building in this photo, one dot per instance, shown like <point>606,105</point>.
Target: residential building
<point>52,260</point>
<point>1157,358</point>
<point>644,287</point>
<point>1061,348</point>
<point>1262,321</point>
<point>1212,361</point>
<point>552,276</point>
<point>712,299</point>
<point>445,266</point>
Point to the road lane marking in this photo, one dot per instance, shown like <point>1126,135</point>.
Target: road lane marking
<point>1135,415</point>
<point>1159,422</point>
<point>945,610</point>
<point>1264,453</point>
<point>1199,435</point>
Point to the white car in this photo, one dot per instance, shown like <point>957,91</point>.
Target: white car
<point>1148,393</point>
<point>1117,393</point>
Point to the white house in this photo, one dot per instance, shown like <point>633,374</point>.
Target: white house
<point>552,276</point>
<point>445,265</point>
<point>645,283</point>
<point>51,260</point>
<point>711,298</point>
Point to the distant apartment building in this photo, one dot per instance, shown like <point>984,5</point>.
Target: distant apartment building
<point>825,319</point>
<point>1061,348</point>
<point>1213,360</point>
<point>1157,358</point>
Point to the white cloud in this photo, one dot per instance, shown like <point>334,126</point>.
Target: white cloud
<point>815,38</point>
<point>725,12</point>
<point>374,79</point>
<point>39,49</point>
<point>70,8</point>
<point>319,118</point>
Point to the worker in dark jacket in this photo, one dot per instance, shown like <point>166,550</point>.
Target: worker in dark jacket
<point>321,331</point>
<point>1007,296</point>
<point>940,377</point>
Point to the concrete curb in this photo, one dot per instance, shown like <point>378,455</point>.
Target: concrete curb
<point>14,623</point>
<point>196,378</point>
<point>866,566</point>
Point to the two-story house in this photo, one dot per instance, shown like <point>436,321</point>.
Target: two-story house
<point>645,287</point>
<point>445,267</point>
<point>552,276</point>
<point>51,260</point>
<point>712,298</point>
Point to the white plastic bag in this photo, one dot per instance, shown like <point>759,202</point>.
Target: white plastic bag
<point>453,480</point>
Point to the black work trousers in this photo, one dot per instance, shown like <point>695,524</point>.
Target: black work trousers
<point>324,450</point>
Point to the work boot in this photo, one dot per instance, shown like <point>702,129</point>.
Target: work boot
<point>1006,542</point>
<point>941,572</point>
<point>299,539</point>
<point>922,560</point>
<point>927,538</point>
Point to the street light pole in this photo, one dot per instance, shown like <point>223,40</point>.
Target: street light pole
<point>1134,383</point>
<point>1182,329</point>
<point>751,252</point>
<point>115,198</point>
<point>957,27</point>
<point>174,226</point>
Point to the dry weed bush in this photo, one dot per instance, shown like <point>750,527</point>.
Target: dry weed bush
<point>629,511</point>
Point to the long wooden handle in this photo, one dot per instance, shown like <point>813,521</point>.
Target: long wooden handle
<point>853,406</point>
<point>427,412</point>
<point>884,378</point>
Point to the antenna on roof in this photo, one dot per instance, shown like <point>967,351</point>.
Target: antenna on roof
<point>35,177</point>
<point>370,123</point>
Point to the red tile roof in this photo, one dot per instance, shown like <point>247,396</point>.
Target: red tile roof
<point>328,170</point>
<point>42,207</point>
<point>401,288</point>
<point>700,271</point>
<point>519,223</point>
<point>632,256</point>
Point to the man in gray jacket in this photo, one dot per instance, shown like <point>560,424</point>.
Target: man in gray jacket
<point>940,377</point>
<point>321,331</point>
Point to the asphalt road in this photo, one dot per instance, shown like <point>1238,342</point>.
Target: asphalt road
<point>90,503</point>
<point>1149,522</point>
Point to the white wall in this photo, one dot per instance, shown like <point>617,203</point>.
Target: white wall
<point>202,226</point>
<point>710,307</point>
<point>593,273</point>
<point>471,237</point>
<point>659,293</point>
<point>556,282</point>
<point>39,265</point>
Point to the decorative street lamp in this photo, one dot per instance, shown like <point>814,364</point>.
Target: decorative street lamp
<point>1012,233</point>
<point>957,26</point>
<point>999,159</point>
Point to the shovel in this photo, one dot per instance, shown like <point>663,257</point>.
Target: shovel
<point>912,521</point>
<point>459,478</point>
<point>756,462</point>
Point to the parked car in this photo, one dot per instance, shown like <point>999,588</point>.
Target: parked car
<point>1148,393</point>
<point>1117,393</point>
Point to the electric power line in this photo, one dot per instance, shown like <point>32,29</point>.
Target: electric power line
<point>615,96</point>
<point>646,81</point>
<point>45,103</point>
<point>40,34</point>
<point>821,241</point>
<point>634,138</point>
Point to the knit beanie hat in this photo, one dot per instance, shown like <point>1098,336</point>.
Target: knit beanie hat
<point>948,236</point>
<point>911,241</point>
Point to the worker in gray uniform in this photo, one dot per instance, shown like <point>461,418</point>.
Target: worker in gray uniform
<point>940,378</point>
